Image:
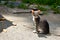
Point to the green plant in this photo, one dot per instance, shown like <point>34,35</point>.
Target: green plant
<point>42,8</point>
<point>10,5</point>
<point>22,5</point>
<point>0,4</point>
<point>6,2</point>
<point>53,6</point>
<point>55,9</point>
<point>44,2</point>
<point>44,12</point>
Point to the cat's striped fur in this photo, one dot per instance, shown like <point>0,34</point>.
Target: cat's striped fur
<point>42,26</point>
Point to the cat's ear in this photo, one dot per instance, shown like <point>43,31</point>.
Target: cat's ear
<point>39,11</point>
<point>32,11</point>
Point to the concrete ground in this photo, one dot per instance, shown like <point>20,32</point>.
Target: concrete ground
<point>24,27</point>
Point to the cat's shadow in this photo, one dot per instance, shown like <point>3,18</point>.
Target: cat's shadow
<point>43,35</point>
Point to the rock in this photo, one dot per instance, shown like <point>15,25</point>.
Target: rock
<point>4,30</point>
<point>1,26</point>
<point>33,6</point>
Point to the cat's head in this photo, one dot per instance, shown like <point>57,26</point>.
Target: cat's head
<point>35,12</point>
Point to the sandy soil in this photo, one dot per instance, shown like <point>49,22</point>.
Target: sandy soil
<point>24,27</point>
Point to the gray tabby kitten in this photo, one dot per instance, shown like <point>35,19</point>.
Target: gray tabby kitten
<point>42,26</point>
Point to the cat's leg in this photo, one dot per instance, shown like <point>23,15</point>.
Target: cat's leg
<point>34,23</point>
<point>34,31</point>
<point>38,29</point>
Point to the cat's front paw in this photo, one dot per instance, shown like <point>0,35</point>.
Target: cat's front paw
<point>34,31</point>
